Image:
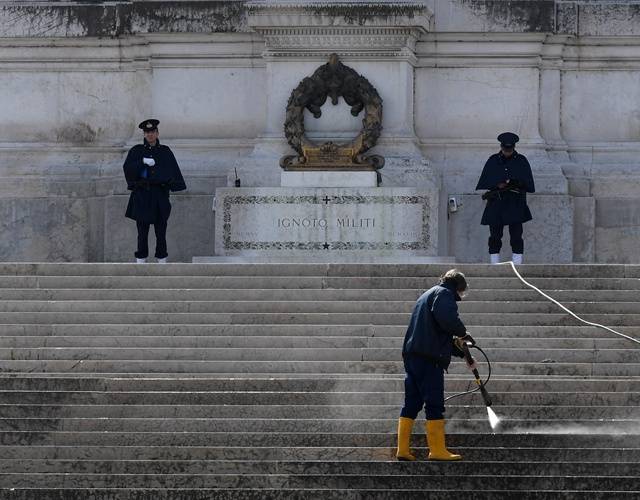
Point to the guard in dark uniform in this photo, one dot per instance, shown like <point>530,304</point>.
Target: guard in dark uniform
<point>152,172</point>
<point>426,352</point>
<point>508,178</point>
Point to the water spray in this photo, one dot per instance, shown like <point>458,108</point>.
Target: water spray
<point>464,346</point>
<point>494,420</point>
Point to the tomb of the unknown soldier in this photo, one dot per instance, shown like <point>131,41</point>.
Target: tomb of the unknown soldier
<point>308,249</point>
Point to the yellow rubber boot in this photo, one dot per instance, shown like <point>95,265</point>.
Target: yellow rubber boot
<point>435,441</point>
<point>405,426</point>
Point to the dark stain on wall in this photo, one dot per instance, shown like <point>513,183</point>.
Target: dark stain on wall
<point>359,15</point>
<point>602,19</point>
<point>188,17</point>
<point>77,133</point>
<point>110,20</point>
<point>567,18</point>
<point>515,15</point>
<point>95,18</point>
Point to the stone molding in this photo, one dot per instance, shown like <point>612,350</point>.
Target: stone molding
<point>131,53</point>
<point>533,50</point>
<point>426,50</point>
<point>363,43</point>
<point>351,29</point>
<point>601,53</point>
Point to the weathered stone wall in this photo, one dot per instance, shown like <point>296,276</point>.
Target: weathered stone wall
<point>78,77</point>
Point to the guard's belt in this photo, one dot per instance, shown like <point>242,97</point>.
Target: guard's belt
<point>496,193</point>
<point>148,184</point>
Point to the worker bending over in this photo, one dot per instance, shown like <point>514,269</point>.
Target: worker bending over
<point>427,349</point>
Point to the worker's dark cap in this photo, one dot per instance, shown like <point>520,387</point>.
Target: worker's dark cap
<point>508,139</point>
<point>149,125</point>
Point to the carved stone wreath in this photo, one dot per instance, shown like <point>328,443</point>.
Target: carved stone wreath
<point>334,80</point>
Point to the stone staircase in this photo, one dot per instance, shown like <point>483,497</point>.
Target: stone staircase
<point>205,381</point>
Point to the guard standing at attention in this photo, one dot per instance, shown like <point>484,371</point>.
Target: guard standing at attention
<point>507,175</point>
<point>151,171</point>
<point>427,349</point>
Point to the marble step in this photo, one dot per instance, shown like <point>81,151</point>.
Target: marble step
<point>294,368</point>
<point>330,294</point>
<point>312,307</point>
<point>477,424</point>
<point>306,411</point>
<point>248,307</point>
<point>309,494</point>
<point>453,382</point>
<point>302,330</point>
<point>315,354</point>
<point>371,468</point>
<point>309,440</point>
<point>209,324</point>
<point>628,354</point>
<point>283,341</point>
<point>305,282</point>
<point>474,318</point>
<point>528,398</point>
<point>559,455</point>
<point>306,481</point>
<point>294,269</point>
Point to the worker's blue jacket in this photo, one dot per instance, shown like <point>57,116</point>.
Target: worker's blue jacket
<point>433,323</point>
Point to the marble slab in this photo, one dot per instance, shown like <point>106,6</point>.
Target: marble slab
<point>328,222</point>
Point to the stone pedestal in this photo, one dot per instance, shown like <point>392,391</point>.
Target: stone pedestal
<point>330,224</point>
<point>548,238</point>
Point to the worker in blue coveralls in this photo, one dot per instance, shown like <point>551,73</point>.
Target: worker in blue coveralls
<point>427,349</point>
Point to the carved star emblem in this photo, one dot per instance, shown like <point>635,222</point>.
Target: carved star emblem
<point>326,246</point>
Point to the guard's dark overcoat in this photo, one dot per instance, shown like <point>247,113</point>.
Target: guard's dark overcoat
<point>507,207</point>
<point>433,324</point>
<point>150,186</point>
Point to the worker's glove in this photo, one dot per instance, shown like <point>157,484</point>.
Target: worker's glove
<point>473,365</point>
<point>468,338</point>
<point>149,161</point>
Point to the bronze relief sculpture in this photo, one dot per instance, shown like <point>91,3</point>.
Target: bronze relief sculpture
<point>333,80</point>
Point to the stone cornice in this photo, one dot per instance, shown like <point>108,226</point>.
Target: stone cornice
<point>533,50</point>
<point>350,42</point>
<point>352,29</point>
<point>131,53</point>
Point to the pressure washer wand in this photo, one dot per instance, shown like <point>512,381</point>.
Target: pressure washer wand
<point>464,346</point>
